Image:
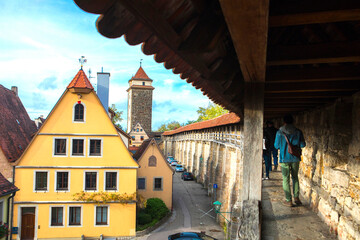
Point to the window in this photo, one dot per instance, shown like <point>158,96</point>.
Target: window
<point>142,138</point>
<point>101,215</point>
<point>90,180</point>
<point>78,147</point>
<point>133,138</point>
<point>143,83</point>
<point>137,130</point>
<point>62,181</point>
<point>79,113</point>
<point>158,184</point>
<point>57,216</point>
<point>41,181</point>
<point>141,130</point>
<point>60,146</point>
<point>110,180</point>
<point>141,184</point>
<point>74,216</point>
<point>95,147</point>
<point>152,161</point>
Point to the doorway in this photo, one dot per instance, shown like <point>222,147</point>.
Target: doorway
<point>27,223</point>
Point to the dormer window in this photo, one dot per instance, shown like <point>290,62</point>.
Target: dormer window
<point>79,113</point>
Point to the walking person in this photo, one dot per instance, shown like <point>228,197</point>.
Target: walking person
<point>266,155</point>
<point>271,133</point>
<point>290,163</point>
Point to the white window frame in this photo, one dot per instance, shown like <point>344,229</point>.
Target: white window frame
<point>84,148</point>
<point>97,181</point>
<point>47,184</point>
<point>68,214</point>
<point>162,184</point>
<point>108,215</point>
<point>73,113</point>
<point>101,147</point>
<point>66,148</point>
<point>50,216</point>
<point>117,181</point>
<point>56,181</point>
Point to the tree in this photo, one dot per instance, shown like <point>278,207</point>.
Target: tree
<point>169,126</point>
<point>210,112</point>
<point>116,119</point>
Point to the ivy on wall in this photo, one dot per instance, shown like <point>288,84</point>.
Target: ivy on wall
<point>104,197</point>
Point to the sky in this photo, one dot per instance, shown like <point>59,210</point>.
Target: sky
<point>41,42</point>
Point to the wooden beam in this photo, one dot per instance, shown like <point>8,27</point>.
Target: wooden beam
<point>303,95</point>
<point>247,22</point>
<point>334,73</point>
<point>334,52</point>
<point>314,17</point>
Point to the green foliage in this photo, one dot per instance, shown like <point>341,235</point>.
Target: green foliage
<point>210,112</point>
<point>156,208</point>
<point>143,218</point>
<point>104,197</point>
<point>4,229</point>
<point>169,126</point>
<point>118,116</point>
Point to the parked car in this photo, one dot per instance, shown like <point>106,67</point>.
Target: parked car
<point>174,163</point>
<point>170,158</point>
<point>187,176</point>
<point>190,235</point>
<point>179,168</point>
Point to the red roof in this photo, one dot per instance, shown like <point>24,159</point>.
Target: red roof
<point>15,124</point>
<point>80,81</point>
<point>6,187</point>
<point>225,119</point>
<point>140,74</point>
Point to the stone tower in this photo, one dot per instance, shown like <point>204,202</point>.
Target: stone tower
<point>140,101</point>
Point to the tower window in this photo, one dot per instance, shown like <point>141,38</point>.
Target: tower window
<point>143,83</point>
<point>79,113</point>
<point>142,138</point>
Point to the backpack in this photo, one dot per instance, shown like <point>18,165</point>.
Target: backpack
<point>293,149</point>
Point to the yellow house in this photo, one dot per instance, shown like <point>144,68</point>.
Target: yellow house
<point>75,162</point>
<point>155,175</point>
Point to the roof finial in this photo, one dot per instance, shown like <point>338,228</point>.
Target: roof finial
<point>82,60</point>
<point>141,61</point>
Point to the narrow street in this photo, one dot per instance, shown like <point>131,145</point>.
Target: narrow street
<point>189,200</point>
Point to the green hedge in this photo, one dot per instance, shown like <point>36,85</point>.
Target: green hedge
<point>156,208</point>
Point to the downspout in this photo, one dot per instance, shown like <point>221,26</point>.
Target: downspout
<point>12,208</point>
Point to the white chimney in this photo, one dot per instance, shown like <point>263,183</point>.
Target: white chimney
<point>103,80</point>
<point>15,90</point>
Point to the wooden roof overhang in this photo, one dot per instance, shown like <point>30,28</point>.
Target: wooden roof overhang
<point>306,52</point>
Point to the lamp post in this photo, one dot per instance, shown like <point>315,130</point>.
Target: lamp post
<point>217,207</point>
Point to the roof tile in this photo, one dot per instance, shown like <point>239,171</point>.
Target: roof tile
<point>80,81</point>
<point>6,187</point>
<point>225,119</point>
<point>16,126</point>
<point>140,74</point>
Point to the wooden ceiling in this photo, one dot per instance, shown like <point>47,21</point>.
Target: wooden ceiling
<point>307,51</point>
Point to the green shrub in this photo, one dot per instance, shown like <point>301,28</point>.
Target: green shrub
<point>156,208</point>
<point>143,218</point>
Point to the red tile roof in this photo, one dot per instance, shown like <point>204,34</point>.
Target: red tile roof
<point>16,126</point>
<point>6,187</point>
<point>142,149</point>
<point>80,81</point>
<point>140,74</point>
<point>225,119</point>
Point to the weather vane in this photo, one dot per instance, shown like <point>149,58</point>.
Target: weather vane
<point>141,61</point>
<point>82,60</point>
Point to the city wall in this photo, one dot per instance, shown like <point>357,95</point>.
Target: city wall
<point>329,170</point>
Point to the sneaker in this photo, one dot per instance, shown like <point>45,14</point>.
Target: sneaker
<point>288,203</point>
<point>297,201</point>
<point>267,178</point>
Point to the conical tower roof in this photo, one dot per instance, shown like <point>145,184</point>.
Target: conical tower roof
<point>140,74</point>
<point>80,81</point>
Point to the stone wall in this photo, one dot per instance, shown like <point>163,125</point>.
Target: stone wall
<point>141,110</point>
<point>213,156</point>
<point>330,168</point>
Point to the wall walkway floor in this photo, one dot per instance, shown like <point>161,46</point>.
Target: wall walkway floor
<point>281,222</point>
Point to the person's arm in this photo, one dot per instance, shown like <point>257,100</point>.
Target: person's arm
<point>302,140</point>
<point>277,140</point>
